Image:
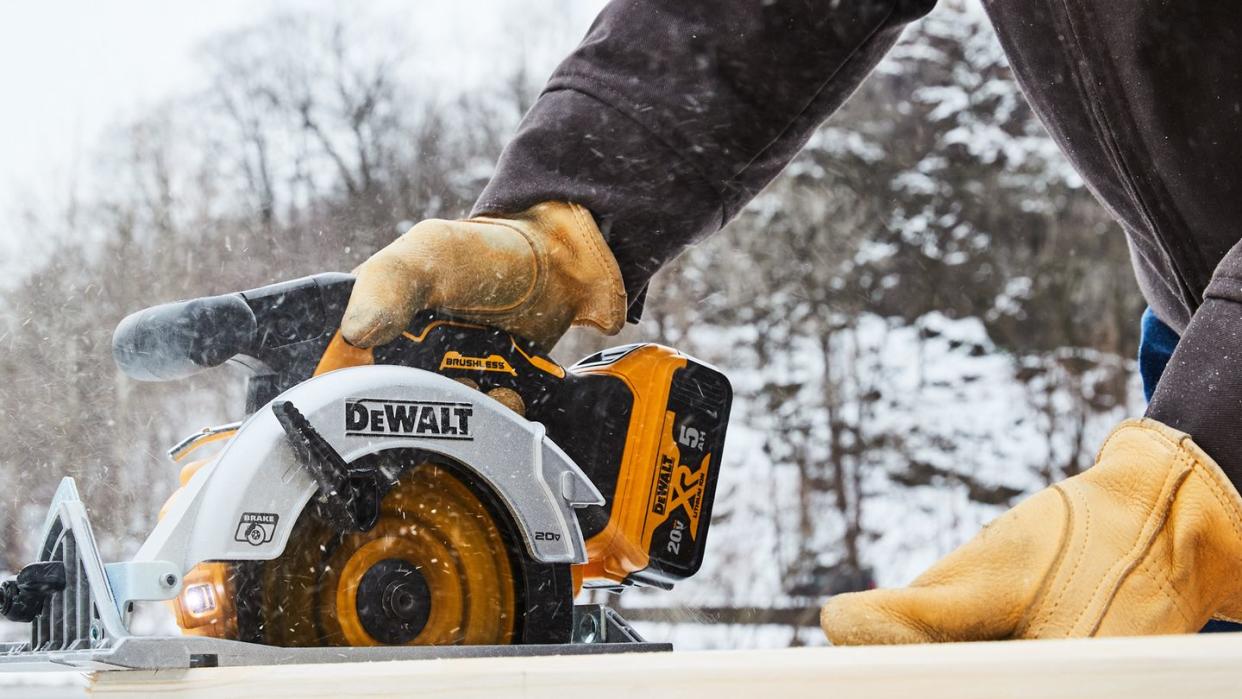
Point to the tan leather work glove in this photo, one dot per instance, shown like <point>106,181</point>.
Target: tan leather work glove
<point>533,274</point>
<point>1148,541</point>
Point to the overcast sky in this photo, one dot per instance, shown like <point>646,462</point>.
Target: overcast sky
<point>68,69</point>
<point>71,68</point>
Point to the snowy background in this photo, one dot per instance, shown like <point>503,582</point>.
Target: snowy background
<point>925,317</point>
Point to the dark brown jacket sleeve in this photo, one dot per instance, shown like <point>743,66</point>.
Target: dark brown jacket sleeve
<point>1200,392</point>
<point>672,114</point>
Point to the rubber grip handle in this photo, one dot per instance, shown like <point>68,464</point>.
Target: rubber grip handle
<point>176,340</point>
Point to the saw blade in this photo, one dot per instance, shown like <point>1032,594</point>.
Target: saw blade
<point>434,570</point>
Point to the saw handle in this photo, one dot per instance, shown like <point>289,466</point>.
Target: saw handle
<point>278,331</point>
<point>177,340</point>
<point>283,334</point>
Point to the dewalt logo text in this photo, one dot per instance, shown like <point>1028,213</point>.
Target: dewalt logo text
<point>365,417</point>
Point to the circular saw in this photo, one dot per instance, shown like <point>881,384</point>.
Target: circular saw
<point>456,487</point>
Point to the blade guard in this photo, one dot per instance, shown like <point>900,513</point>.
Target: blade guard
<point>243,505</point>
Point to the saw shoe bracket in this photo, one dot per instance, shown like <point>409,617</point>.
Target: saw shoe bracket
<point>82,612</point>
<point>143,581</point>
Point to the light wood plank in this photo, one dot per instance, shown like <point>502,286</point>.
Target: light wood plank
<point>1204,666</point>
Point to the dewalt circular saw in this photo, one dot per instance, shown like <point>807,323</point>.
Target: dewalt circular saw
<point>455,487</point>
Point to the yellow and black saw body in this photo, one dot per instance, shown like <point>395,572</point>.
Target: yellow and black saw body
<point>404,547</point>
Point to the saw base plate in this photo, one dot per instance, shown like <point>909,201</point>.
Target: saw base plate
<point>597,629</point>
<point>181,652</point>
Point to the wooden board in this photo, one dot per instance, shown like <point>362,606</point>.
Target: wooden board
<point>1200,666</point>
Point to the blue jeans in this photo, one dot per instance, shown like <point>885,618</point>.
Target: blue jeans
<point>1156,344</point>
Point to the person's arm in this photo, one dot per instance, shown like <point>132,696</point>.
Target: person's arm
<point>664,122</point>
<point>670,116</point>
